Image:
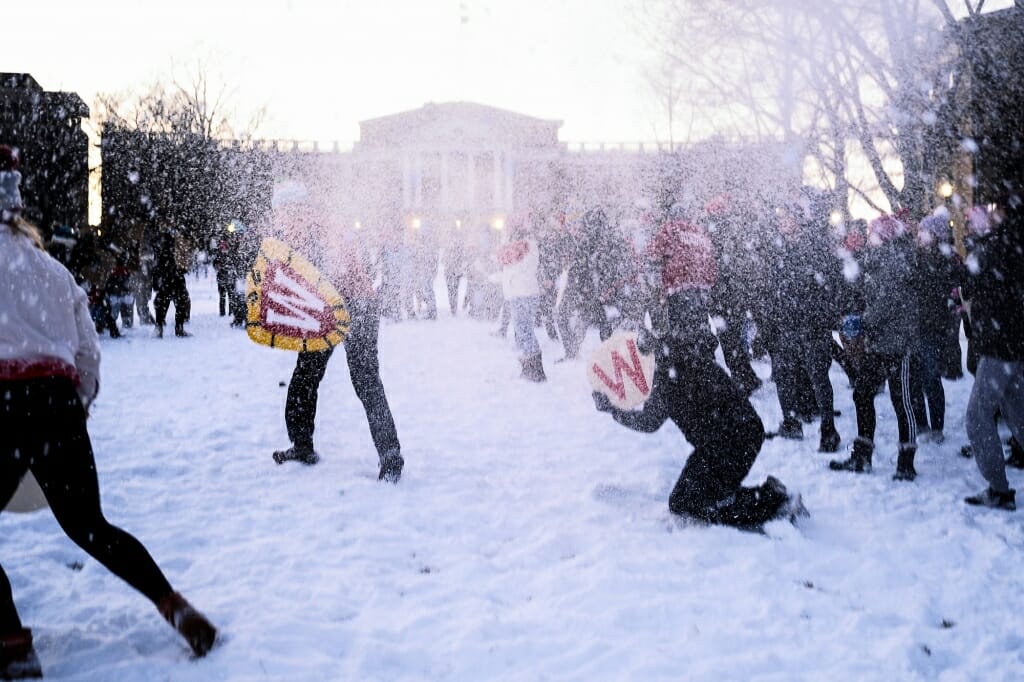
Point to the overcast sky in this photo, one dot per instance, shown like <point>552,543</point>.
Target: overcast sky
<point>321,66</point>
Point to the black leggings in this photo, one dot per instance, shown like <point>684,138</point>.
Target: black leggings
<point>42,428</point>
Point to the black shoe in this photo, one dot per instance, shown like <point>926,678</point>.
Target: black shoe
<point>859,461</point>
<point>829,441</point>
<point>391,464</point>
<point>1016,458</point>
<point>180,331</point>
<point>994,499</point>
<point>18,660</point>
<point>305,455</point>
<point>905,464</point>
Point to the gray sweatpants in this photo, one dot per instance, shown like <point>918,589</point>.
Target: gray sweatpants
<point>998,387</point>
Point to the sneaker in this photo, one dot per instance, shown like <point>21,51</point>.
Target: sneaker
<point>829,441</point>
<point>994,499</point>
<point>391,464</point>
<point>192,625</point>
<point>306,455</point>
<point>18,660</point>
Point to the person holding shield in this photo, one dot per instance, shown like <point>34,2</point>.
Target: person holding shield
<point>304,221</point>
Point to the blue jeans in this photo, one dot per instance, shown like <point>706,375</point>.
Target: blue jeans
<point>524,312</point>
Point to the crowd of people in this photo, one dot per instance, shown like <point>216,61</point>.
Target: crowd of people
<point>750,276</point>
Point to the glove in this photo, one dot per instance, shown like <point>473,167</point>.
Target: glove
<point>601,402</point>
<point>851,326</point>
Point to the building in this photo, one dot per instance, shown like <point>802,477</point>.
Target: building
<point>46,127</point>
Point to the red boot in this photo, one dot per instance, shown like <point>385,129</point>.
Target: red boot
<point>17,657</point>
<point>192,625</point>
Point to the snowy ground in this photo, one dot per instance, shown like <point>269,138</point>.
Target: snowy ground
<point>529,538</point>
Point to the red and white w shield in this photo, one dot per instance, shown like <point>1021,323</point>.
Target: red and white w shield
<point>290,304</point>
<point>618,370</point>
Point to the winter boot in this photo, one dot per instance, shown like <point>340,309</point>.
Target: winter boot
<point>905,463</point>
<point>297,453</point>
<point>1016,458</point>
<point>860,459</point>
<point>994,499</point>
<point>391,464</point>
<point>159,330</point>
<point>18,659</point>
<point>192,625</point>
<point>829,438</point>
<point>533,368</point>
<point>179,330</point>
<point>791,429</point>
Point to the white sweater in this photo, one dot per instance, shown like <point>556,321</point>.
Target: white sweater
<point>44,314</point>
<point>519,277</point>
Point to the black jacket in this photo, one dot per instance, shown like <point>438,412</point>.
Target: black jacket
<point>994,291</point>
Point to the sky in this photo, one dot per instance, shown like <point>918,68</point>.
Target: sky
<point>319,67</point>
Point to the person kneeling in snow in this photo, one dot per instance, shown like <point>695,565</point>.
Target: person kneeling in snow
<point>49,374</point>
<point>692,390</point>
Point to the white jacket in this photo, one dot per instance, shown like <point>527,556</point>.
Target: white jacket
<point>520,262</point>
<point>44,315</point>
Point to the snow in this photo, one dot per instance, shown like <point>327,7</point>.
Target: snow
<point>529,538</point>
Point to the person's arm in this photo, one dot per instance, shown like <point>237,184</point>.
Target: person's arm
<point>648,419</point>
<point>87,355</point>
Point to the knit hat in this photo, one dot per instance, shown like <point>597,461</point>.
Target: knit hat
<point>885,228</point>
<point>10,179</point>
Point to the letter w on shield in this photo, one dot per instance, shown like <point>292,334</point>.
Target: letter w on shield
<point>303,306</point>
<point>632,369</point>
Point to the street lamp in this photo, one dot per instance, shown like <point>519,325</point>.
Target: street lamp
<point>416,223</point>
<point>945,189</point>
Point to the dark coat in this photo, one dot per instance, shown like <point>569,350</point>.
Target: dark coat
<point>890,308</point>
<point>994,291</point>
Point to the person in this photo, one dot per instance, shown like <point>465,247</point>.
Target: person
<point>717,418</point>
<point>520,261</point>
<point>296,214</point>
<point>939,275</point>
<point>802,314</point>
<point>169,268</point>
<point>49,376</point>
<point>889,325</point>
<point>994,290</point>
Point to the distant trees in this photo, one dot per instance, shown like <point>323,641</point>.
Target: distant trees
<point>876,79</point>
<point>171,158</point>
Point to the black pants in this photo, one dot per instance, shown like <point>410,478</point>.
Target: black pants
<point>803,358</point>
<point>42,429</point>
<point>873,370</point>
<point>726,434</point>
<point>364,370</point>
<point>172,291</point>
<point>452,279</point>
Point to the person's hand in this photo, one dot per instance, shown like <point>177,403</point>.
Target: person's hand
<point>601,402</point>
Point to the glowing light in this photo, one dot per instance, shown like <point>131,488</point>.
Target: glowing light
<point>835,217</point>
<point>946,189</point>
<point>499,224</point>
<point>231,226</point>
<point>358,225</point>
<point>458,224</point>
<point>417,223</point>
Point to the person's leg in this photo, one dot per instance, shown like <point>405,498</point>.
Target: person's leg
<point>524,313</point>
<point>300,404</point>
<point>898,375</point>
<point>992,382</point>
<point>785,369</point>
<point>12,468</point>
<point>817,359</point>
<point>361,353</point>
<point>931,380</point>
<point>182,306</point>
<point>915,391</point>
<point>869,376</point>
